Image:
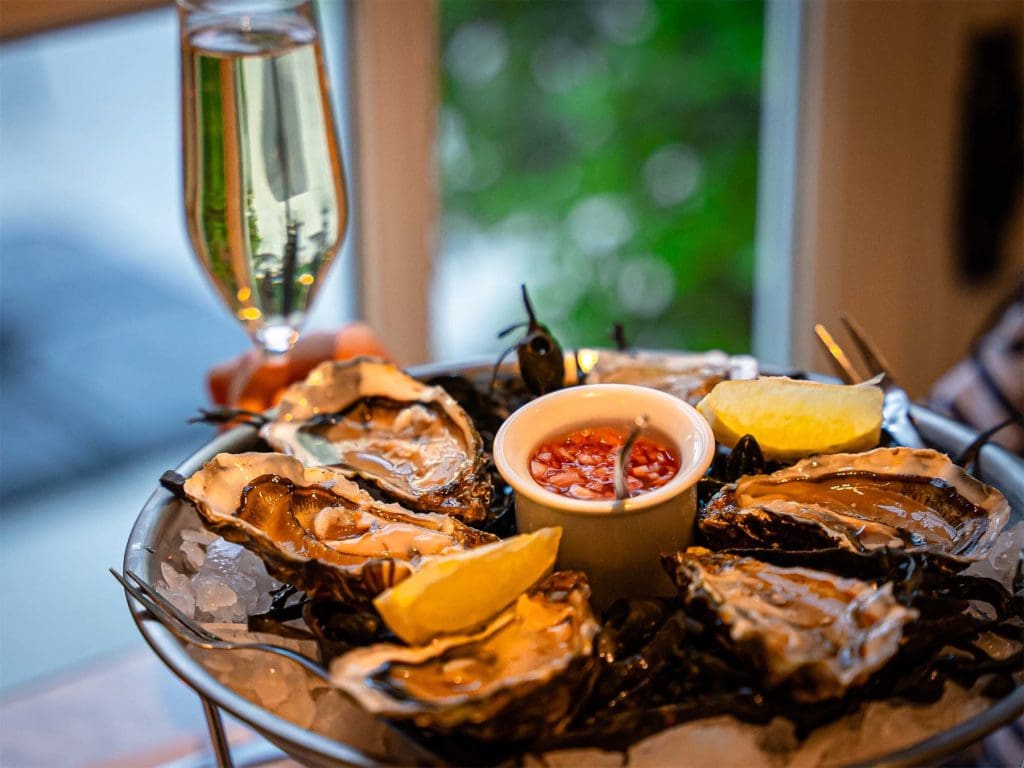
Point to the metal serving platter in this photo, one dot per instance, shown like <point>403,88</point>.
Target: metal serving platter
<point>163,516</point>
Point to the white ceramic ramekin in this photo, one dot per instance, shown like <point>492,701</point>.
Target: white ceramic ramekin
<point>617,543</point>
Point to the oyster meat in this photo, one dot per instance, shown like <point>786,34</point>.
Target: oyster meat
<point>815,633</point>
<point>895,498</point>
<point>369,419</point>
<point>525,672</point>
<point>316,529</point>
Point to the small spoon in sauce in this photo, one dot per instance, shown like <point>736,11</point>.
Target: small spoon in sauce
<point>622,457</point>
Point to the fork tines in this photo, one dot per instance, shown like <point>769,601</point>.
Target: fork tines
<point>162,609</point>
<point>868,351</point>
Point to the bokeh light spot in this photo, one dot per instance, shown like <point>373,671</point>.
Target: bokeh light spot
<point>646,286</point>
<point>600,224</point>
<point>624,21</point>
<point>476,52</point>
<point>672,175</point>
<point>559,65</point>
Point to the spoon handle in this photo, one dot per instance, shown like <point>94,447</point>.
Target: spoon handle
<point>622,457</point>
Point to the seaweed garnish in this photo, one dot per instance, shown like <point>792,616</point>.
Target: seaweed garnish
<point>541,360</point>
<point>618,337</point>
<point>970,458</point>
<point>235,417</point>
<point>676,669</point>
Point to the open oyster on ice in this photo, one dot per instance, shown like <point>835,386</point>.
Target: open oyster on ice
<point>813,632</point>
<point>524,673</point>
<point>895,498</point>
<point>368,419</point>
<point>316,529</point>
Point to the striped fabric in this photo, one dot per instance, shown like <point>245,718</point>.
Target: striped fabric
<point>981,391</point>
<point>988,386</point>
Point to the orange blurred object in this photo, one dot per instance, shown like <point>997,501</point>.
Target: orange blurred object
<point>259,382</point>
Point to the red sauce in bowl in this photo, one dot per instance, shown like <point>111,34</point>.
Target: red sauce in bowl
<point>581,464</point>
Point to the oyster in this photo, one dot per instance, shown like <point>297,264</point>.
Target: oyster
<point>895,498</point>
<point>815,633</point>
<point>316,529</point>
<point>688,376</point>
<point>368,419</point>
<point>524,673</point>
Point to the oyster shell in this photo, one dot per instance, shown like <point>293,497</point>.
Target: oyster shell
<point>369,419</point>
<point>688,376</point>
<point>525,672</point>
<point>896,498</point>
<point>815,633</point>
<point>316,529</point>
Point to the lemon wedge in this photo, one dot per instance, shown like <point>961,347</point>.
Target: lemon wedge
<point>791,419</point>
<point>457,592</point>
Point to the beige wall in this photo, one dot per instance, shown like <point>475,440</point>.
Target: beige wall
<point>395,59</point>
<point>877,171</point>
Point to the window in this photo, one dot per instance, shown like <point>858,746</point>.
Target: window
<point>605,153</point>
<point>107,325</point>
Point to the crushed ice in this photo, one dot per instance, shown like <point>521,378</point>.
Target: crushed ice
<point>222,581</point>
<point>287,690</point>
<point>878,728</point>
<point>1003,557</point>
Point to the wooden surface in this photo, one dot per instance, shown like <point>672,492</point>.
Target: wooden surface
<point>395,70</point>
<point>124,710</point>
<point>26,17</point>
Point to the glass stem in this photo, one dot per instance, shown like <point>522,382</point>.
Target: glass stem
<point>271,349</point>
<point>276,340</point>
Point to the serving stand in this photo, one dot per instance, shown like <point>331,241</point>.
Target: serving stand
<point>163,516</point>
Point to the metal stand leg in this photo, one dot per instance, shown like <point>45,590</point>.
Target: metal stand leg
<point>218,740</point>
<point>250,753</point>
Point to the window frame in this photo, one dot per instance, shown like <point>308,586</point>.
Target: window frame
<point>775,264</point>
<point>396,82</point>
<point>21,18</point>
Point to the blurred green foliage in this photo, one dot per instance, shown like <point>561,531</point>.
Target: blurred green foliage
<point>628,131</point>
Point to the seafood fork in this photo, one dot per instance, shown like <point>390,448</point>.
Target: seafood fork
<point>189,631</point>
<point>896,406</point>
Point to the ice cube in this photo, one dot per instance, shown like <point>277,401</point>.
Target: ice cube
<point>194,554</point>
<point>331,717</point>
<point>223,555</point>
<point>299,707</point>
<point>177,588</point>
<point>271,687</point>
<point>1001,562</point>
<point>198,535</point>
<point>718,741</point>
<point>212,594</point>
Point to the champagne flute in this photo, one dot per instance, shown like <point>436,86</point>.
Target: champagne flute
<point>265,199</point>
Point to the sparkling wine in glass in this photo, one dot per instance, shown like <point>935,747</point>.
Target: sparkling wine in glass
<point>264,194</point>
